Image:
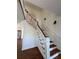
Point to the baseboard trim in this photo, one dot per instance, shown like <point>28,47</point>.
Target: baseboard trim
<point>28,48</point>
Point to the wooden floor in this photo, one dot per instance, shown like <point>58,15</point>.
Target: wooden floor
<point>27,54</point>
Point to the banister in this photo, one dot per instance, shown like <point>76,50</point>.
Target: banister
<point>41,30</point>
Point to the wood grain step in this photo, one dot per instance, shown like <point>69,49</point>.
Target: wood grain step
<point>53,45</point>
<point>52,48</point>
<point>54,52</point>
<point>58,57</point>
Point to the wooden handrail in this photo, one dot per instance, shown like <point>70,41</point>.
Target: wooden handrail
<point>32,18</point>
<point>37,24</point>
<point>41,30</point>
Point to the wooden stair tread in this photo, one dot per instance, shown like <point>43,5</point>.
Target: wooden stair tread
<point>58,57</point>
<point>54,52</point>
<point>53,45</point>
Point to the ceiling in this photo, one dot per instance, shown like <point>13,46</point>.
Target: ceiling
<point>51,5</point>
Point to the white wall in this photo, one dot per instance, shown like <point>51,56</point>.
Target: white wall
<point>29,37</point>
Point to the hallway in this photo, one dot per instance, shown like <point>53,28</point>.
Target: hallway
<point>27,54</point>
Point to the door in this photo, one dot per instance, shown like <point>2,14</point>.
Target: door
<point>18,34</point>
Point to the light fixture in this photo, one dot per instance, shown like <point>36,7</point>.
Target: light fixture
<point>26,10</point>
<point>44,18</point>
<point>55,22</point>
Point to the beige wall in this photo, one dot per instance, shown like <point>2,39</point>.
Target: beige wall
<point>20,16</point>
<point>51,5</point>
<point>54,31</point>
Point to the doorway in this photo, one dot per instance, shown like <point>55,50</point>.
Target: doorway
<point>19,44</point>
<point>18,34</point>
<point>19,40</point>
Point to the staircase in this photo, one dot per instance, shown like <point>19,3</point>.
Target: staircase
<point>47,47</point>
<point>54,51</point>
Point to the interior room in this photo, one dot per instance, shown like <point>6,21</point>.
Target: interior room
<point>38,29</point>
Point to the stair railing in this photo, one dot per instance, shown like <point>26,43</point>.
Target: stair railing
<point>46,38</point>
